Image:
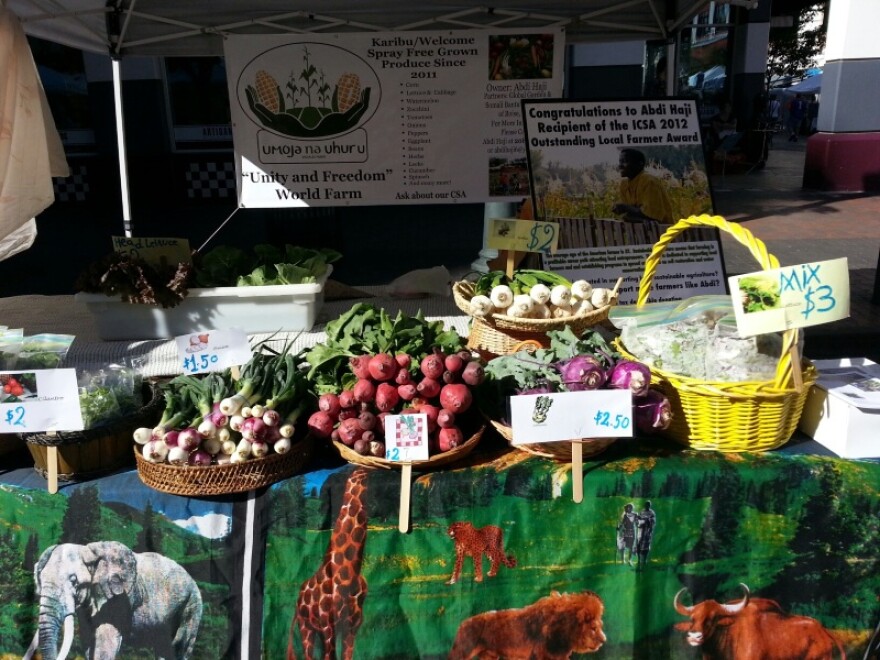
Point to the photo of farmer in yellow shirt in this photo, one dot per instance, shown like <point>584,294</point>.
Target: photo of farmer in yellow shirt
<point>642,195</point>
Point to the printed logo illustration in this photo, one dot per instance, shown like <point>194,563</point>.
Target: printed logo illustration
<point>197,343</point>
<point>542,408</point>
<point>330,92</point>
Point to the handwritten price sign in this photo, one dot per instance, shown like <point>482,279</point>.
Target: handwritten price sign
<point>406,437</point>
<point>791,297</point>
<point>156,251</point>
<point>571,416</point>
<point>47,401</point>
<point>522,235</point>
<point>214,350</point>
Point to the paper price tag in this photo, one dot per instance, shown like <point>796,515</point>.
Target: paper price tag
<point>571,416</point>
<point>790,297</point>
<point>213,350</point>
<point>522,235</point>
<point>156,251</point>
<point>406,437</point>
<point>35,401</point>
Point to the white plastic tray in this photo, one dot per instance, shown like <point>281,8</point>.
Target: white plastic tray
<point>254,309</point>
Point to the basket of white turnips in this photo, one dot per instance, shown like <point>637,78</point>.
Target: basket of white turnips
<point>509,312</point>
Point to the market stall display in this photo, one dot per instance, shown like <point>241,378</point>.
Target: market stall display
<point>753,415</point>
<point>506,310</point>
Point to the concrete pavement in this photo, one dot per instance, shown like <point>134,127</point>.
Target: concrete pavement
<point>800,226</point>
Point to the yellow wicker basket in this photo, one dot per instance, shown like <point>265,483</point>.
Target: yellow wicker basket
<point>730,416</point>
<point>500,334</point>
<point>557,451</point>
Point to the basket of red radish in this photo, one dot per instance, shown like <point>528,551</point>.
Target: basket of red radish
<point>221,435</point>
<point>373,365</point>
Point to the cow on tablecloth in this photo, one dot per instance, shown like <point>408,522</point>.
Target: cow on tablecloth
<point>753,628</point>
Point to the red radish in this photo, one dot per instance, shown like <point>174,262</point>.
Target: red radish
<point>429,387</point>
<point>364,391</point>
<point>346,399</point>
<point>412,410</point>
<point>403,377</point>
<point>386,397</point>
<point>368,436</point>
<point>456,397</point>
<point>465,355</point>
<point>347,413</point>
<point>321,424</point>
<point>403,360</point>
<point>367,420</point>
<point>335,435</point>
<point>445,418</point>
<point>360,366</point>
<point>432,412</point>
<point>380,422</point>
<point>407,392</point>
<point>362,446</point>
<point>451,377</point>
<point>382,367</point>
<point>450,438</point>
<point>473,373</point>
<point>329,403</point>
<point>453,363</point>
<point>350,430</point>
<point>432,366</point>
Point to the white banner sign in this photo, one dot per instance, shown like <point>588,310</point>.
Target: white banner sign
<point>44,400</point>
<point>386,118</point>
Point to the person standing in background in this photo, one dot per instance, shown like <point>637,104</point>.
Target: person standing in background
<point>796,110</point>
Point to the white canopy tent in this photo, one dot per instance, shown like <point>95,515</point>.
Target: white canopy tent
<point>196,27</point>
<point>122,28</point>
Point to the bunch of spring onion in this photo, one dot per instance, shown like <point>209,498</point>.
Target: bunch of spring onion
<point>214,419</point>
<point>535,294</point>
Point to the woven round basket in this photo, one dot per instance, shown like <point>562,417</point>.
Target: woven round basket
<point>499,334</point>
<point>557,451</point>
<point>436,461</point>
<point>90,453</point>
<point>730,416</point>
<point>198,481</point>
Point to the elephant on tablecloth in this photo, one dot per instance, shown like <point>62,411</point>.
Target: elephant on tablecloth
<point>143,599</point>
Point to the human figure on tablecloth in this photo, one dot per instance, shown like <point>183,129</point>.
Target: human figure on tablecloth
<point>647,520</point>
<point>626,535</point>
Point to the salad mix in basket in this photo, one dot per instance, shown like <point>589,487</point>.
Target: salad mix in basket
<point>571,364</point>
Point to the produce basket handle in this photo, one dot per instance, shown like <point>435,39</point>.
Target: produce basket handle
<point>785,376</point>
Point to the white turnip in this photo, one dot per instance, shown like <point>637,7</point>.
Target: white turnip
<point>501,297</point>
<point>142,435</point>
<point>177,455</point>
<point>212,445</point>
<point>456,397</point>
<point>581,289</point>
<point>155,451</point>
<point>282,445</point>
<point>600,297</point>
<point>481,306</point>
<point>560,296</point>
<point>540,293</point>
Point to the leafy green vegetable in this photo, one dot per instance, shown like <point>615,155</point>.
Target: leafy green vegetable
<point>367,330</point>
<point>265,265</point>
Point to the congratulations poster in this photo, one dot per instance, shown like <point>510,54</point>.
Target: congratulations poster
<point>386,118</point>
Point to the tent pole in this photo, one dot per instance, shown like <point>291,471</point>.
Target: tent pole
<point>120,145</point>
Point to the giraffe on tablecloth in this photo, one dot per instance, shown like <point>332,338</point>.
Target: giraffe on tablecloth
<point>331,602</point>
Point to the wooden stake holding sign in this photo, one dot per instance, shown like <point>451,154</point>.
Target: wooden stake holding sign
<point>406,440</point>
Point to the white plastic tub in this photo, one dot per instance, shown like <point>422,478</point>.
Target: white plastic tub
<point>254,309</point>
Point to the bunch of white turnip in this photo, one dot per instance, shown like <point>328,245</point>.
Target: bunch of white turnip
<point>535,294</point>
<point>439,385</point>
<point>213,419</point>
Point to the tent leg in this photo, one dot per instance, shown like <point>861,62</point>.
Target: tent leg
<point>120,143</point>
